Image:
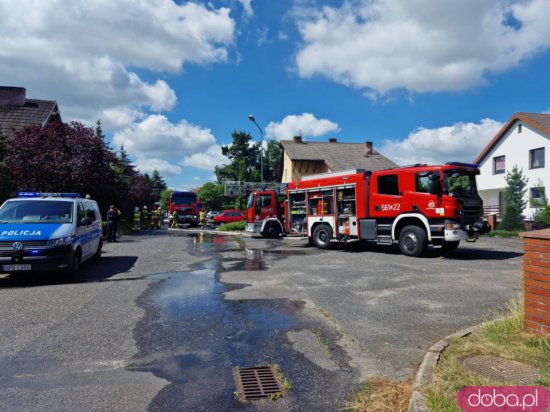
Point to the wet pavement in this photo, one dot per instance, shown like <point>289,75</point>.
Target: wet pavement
<point>194,338</point>
<point>163,319</point>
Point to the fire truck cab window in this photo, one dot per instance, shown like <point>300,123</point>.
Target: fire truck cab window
<point>423,182</point>
<point>388,185</point>
<point>264,200</point>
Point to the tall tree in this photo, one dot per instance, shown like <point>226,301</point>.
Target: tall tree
<point>272,160</point>
<point>514,200</point>
<point>6,179</point>
<point>245,159</point>
<point>61,157</point>
<point>212,196</point>
<point>157,183</point>
<point>165,198</point>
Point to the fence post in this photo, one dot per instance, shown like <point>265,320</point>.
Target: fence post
<point>536,281</point>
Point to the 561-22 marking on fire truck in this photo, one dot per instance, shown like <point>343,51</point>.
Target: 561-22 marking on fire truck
<point>390,206</point>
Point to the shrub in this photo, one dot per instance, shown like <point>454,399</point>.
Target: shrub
<point>542,216</point>
<point>232,226</point>
<point>503,233</point>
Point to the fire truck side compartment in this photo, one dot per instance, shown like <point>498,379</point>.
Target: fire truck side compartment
<point>367,229</point>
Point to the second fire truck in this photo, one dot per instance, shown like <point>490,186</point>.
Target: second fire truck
<point>413,206</point>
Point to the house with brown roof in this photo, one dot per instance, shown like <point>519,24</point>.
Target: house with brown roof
<point>16,111</point>
<point>302,158</point>
<point>523,141</point>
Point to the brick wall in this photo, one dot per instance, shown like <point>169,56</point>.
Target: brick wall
<point>536,281</point>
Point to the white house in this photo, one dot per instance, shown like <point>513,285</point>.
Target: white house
<point>523,141</point>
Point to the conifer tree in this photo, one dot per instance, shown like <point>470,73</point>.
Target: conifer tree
<point>514,200</point>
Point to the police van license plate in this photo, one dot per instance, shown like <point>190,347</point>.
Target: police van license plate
<point>12,268</point>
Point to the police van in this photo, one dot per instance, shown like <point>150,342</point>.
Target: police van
<point>48,231</point>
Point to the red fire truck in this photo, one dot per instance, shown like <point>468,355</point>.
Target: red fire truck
<point>413,206</point>
<point>187,207</point>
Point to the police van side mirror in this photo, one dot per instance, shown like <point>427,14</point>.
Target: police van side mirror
<point>86,221</point>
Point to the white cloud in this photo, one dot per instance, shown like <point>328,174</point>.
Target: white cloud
<point>156,136</point>
<point>207,159</point>
<point>282,36</point>
<point>196,178</point>
<point>247,7</point>
<point>305,125</point>
<point>419,45</point>
<point>164,167</point>
<point>86,55</point>
<point>461,142</point>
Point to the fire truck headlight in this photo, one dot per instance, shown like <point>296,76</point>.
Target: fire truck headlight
<point>453,226</point>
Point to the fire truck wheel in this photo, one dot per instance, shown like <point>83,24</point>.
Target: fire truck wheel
<point>412,241</point>
<point>449,246</point>
<point>322,236</point>
<point>272,230</point>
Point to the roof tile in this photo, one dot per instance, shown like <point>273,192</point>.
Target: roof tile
<point>338,156</point>
<point>32,112</point>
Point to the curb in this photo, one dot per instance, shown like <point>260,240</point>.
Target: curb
<point>425,371</point>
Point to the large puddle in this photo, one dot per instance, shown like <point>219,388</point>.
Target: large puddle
<point>192,337</point>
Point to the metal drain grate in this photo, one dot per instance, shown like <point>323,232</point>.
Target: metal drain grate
<point>259,382</point>
<point>502,370</point>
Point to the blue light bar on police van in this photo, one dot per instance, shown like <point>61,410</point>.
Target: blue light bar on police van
<point>42,194</point>
<point>476,165</point>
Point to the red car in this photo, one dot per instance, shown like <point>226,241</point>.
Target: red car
<point>229,216</point>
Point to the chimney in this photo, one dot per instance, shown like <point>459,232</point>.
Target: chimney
<point>12,96</point>
<point>297,139</point>
<point>368,149</point>
<point>332,140</point>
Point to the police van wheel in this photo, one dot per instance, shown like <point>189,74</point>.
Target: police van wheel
<point>97,255</point>
<point>412,241</point>
<point>272,230</point>
<point>75,262</point>
<point>322,235</point>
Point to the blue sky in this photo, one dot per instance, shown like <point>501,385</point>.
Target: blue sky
<point>425,81</point>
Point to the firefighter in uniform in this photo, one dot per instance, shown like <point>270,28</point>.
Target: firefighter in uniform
<point>174,219</point>
<point>202,218</point>
<point>137,219</point>
<point>157,213</point>
<point>145,218</point>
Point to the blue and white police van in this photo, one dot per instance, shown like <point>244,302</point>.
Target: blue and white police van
<point>48,231</point>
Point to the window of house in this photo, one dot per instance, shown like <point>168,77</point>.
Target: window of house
<point>519,128</point>
<point>388,185</point>
<point>536,196</point>
<point>536,158</point>
<point>499,164</point>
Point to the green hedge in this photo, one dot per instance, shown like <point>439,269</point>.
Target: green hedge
<point>503,233</point>
<point>232,226</point>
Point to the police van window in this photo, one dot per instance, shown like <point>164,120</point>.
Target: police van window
<point>388,185</point>
<point>89,208</point>
<point>423,182</point>
<point>80,214</point>
<point>36,212</point>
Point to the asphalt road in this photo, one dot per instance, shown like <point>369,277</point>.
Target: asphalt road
<point>161,321</point>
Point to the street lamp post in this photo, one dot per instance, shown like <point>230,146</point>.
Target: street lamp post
<point>253,120</point>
